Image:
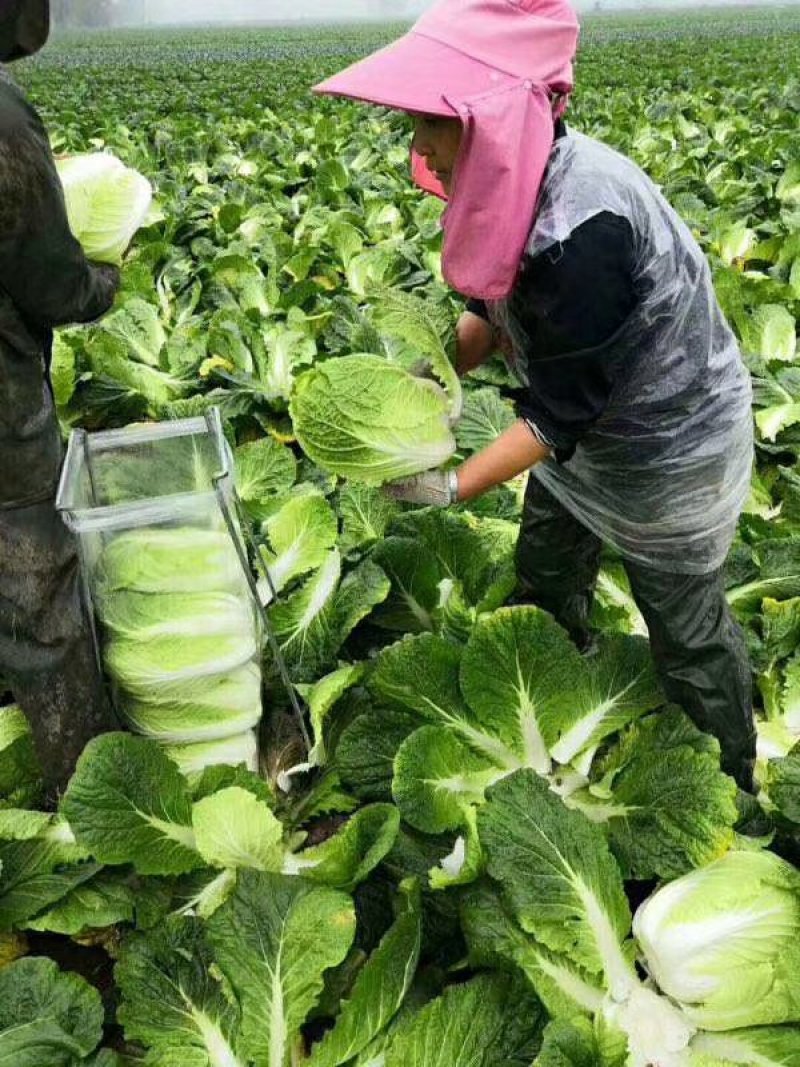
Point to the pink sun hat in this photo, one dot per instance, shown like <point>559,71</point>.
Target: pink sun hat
<point>504,67</point>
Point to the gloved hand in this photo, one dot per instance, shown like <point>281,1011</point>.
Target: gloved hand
<point>437,489</point>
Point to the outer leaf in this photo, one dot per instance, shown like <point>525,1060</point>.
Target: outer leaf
<point>19,771</point>
<point>495,939</point>
<point>771,332</point>
<point>138,326</point>
<point>234,829</point>
<point>379,990</point>
<point>772,420</point>
<point>783,784</point>
<point>563,884</point>
<point>35,874</point>
<point>273,940</point>
<point>106,1058</point>
<point>780,627</point>
<point>313,623</point>
<point>619,686</point>
<point>19,824</point>
<point>46,1014</point>
<point>366,513</point>
<point>102,901</point>
<point>437,779</point>
<point>201,894</point>
<point>420,675</point>
<point>492,1021</point>
<point>222,776</point>
<point>113,370</point>
<point>665,802</point>
<point>465,862</point>
<point>415,575</point>
<point>519,673</point>
<point>486,415</point>
<point>264,467</point>
<point>287,351</point>
<point>524,677</point>
<point>39,1044</point>
<point>300,535</point>
<point>172,1004</point>
<point>346,859</point>
<point>568,1044</point>
<point>477,554</point>
<point>779,576</point>
<point>366,750</point>
<point>322,697</point>
<point>763,1046</point>
<point>128,803</point>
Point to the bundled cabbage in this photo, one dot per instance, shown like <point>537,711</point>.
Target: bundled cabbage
<point>169,560</point>
<point>205,708</point>
<point>182,642</point>
<point>205,634</point>
<point>107,203</point>
<point>239,749</point>
<point>366,419</point>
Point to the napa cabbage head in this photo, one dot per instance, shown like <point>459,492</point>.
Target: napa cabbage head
<point>364,418</point>
<point>107,203</point>
<point>724,941</point>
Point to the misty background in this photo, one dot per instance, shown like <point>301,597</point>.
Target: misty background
<point>174,12</point>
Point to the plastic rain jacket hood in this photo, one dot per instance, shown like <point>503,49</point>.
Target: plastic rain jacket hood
<point>24,28</point>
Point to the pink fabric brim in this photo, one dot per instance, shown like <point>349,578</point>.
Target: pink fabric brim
<point>408,76</point>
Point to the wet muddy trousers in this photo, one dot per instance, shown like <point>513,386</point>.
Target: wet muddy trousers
<point>46,651</point>
<point>698,648</point>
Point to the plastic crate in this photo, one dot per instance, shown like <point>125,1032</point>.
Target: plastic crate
<point>178,628</point>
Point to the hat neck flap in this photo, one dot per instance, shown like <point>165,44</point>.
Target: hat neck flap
<point>505,147</point>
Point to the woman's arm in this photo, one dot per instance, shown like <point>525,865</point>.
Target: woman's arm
<point>474,342</point>
<point>517,449</point>
<point>514,451</point>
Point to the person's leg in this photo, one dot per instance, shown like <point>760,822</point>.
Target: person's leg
<point>701,657</point>
<point>558,559</point>
<point>46,650</point>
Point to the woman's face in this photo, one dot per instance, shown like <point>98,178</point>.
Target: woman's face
<point>437,140</point>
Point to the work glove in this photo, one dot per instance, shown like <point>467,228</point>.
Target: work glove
<point>437,489</point>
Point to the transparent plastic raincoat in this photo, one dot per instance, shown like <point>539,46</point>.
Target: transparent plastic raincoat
<point>664,473</point>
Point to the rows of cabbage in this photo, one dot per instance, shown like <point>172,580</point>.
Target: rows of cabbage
<point>389,884</point>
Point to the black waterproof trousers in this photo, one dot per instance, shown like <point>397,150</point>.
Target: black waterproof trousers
<point>46,650</point>
<point>698,648</point>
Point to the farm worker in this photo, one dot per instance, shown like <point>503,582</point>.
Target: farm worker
<point>46,655</point>
<point>634,419</point>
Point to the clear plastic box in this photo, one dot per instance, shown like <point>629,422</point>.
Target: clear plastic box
<point>165,569</point>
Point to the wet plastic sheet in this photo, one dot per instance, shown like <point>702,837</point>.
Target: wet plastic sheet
<point>665,472</point>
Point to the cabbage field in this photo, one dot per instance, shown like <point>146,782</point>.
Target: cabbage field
<point>494,852</point>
